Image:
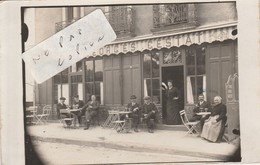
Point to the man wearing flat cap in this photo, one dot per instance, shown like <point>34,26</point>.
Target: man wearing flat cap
<point>134,108</point>
<point>61,105</point>
<point>149,111</point>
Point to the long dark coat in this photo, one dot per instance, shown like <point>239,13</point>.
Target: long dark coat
<point>173,107</point>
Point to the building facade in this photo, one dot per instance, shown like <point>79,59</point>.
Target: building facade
<point>195,45</point>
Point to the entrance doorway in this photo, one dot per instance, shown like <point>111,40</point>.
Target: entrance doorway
<point>176,74</point>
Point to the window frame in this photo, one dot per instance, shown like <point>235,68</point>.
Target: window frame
<point>195,75</point>
<point>94,82</point>
<point>151,78</point>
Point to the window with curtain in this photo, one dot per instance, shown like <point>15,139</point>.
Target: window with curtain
<point>196,74</point>
<point>151,76</point>
<point>94,79</point>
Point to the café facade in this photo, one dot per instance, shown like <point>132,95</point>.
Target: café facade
<point>199,57</point>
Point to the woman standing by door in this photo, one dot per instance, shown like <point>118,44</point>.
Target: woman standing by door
<point>172,105</point>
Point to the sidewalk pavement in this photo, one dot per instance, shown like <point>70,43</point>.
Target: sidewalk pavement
<point>161,141</point>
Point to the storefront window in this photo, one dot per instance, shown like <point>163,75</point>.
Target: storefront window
<point>76,86</point>
<point>89,76</point>
<point>98,70</point>
<point>196,74</point>
<point>146,65</point>
<point>60,85</point>
<point>89,90</point>
<point>151,76</point>
<point>78,67</point>
<point>94,79</point>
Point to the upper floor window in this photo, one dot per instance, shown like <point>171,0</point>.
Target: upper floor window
<point>174,15</point>
<point>170,14</point>
<point>121,19</point>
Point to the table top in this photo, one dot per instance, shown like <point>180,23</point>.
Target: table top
<point>74,110</point>
<point>124,112</point>
<point>31,108</point>
<point>203,113</point>
<point>113,112</point>
<point>68,110</point>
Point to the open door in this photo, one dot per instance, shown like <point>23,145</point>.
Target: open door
<point>176,74</point>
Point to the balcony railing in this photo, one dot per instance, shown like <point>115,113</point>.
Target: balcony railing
<point>121,19</point>
<point>170,14</point>
<point>61,25</point>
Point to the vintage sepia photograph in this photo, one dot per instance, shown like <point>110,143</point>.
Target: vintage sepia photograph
<point>164,91</point>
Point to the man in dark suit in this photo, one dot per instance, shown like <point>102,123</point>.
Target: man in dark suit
<point>201,106</point>
<point>149,111</point>
<point>78,104</point>
<point>134,108</point>
<point>91,111</point>
<point>61,105</point>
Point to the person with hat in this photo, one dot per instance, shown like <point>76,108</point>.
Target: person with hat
<point>201,106</point>
<point>172,104</point>
<point>91,111</point>
<point>61,105</point>
<point>149,111</point>
<point>134,108</point>
<point>78,104</point>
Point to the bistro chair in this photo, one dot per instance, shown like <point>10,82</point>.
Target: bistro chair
<point>31,115</point>
<point>42,118</point>
<point>191,126</point>
<point>68,122</point>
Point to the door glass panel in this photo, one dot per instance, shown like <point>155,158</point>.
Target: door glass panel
<point>89,71</point>
<point>147,65</point>
<point>155,64</point>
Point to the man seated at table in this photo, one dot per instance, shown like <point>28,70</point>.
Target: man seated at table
<point>91,111</point>
<point>62,105</point>
<point>201,106</point>
<point>78,104</point>
<point>149,111</point>
<point>134,108</point>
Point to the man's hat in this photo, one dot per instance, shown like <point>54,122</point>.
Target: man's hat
<point>133,97</point>
<point>147,98</point>
<point>62,98</point>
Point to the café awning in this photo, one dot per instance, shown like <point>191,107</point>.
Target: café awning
<point>197,36</point>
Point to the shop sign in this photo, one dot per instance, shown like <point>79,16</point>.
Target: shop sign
<point>168,41</point>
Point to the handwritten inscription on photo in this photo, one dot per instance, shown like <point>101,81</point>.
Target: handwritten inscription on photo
<point>68,46</point>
